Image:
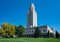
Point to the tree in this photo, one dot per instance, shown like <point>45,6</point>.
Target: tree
<point>37,32</point>
<point>16,29</point>
<point>57,34</point>
<point>2,32</point>
<point>20,30</point>
<point>48,34</point>
<point>12,27</point>
<point>9,29</point>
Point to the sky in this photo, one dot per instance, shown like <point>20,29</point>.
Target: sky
<point>15,12</point>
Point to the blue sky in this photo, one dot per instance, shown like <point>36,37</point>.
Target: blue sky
<point>15,11</point>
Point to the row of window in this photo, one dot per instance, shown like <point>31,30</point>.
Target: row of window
<point>30,31</point>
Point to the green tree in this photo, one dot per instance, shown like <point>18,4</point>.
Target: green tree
<point>57,34</point>
<point>16,29</point>
<point>37,32</point>
<point>20,30</point>
<point>48,34</point>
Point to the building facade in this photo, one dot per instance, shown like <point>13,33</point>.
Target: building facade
<point>43,31</point>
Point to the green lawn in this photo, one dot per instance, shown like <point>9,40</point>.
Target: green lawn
<point>29,40</point>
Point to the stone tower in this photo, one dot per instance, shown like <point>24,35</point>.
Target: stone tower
<point>31,17</point>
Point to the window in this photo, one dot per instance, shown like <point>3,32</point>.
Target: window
<point>28,31</point>
<point>44,30</point>
<point>32,31</point>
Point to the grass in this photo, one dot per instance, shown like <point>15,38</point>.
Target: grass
<point>29,40</point>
